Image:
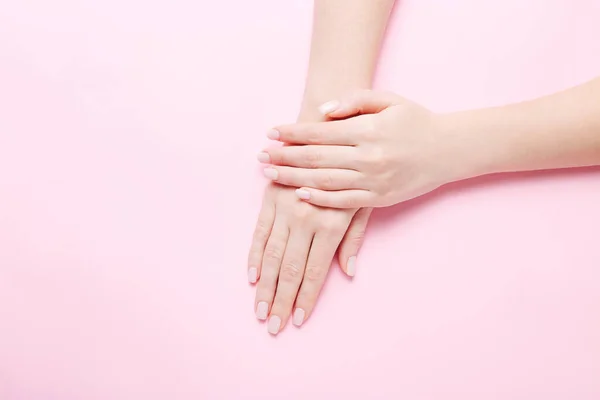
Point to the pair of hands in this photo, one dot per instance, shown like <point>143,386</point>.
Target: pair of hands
<point>376,150</point>
<point>293,246</point>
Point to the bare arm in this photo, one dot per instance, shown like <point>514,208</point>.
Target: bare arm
<point>346,39</point>
<point>401,150</point>
<point>557,131</point>
<point>294,243</point>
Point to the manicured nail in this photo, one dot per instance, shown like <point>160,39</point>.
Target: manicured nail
<point>252,275</point>
<point>329,107</point>
<point>298,317</point>
<point>273,134</point>
<point>263,157</point>
<point>274,325</point>
<point>262,310</point>
<point>303,194</point>
<point>271,173</point>
<point>351,266</point>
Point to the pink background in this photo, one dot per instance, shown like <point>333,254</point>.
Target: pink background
<point>129,191</point>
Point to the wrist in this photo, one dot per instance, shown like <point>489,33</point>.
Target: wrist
<point>309,112</point>
<point>320,91</point>
<point>472,150</point>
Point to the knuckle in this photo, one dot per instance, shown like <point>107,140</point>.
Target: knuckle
<point>357,237</point>
<point>370,128</point>
<point>323,227</point>
<point>278,156</point>
<point>375,159</point>
<point>325,180</point>
<point>314,273</point>
<point>313,136</point>
<point>313,158</point>
<point>291,271</point>
<point>301,211</point>
<point>329,227</point>
<point>272,255</point>
<point>261,232</point>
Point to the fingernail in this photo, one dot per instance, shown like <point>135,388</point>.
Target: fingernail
<point>273,134</point>
<point>303,194</point>
<point>298,317</point>
<point>274,325</point>
<point>351,266</point>
<point>252,275</point>
<point>329,107</point>
<point>261,310</point>
<point>271,173</point>
<point>263,157</point>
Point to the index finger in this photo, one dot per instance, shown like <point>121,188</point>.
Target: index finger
<point>341,133</point>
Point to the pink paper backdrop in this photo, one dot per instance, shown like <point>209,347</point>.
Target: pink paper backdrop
<point>129,190</point>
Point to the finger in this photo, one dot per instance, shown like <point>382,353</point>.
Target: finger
<point>341,133</point>
<point>325,179</point>
<point>353,240</point>
<point>290,278</point>
<point>259,239</point>
<point>319,260</point>
<point>356,198</point>
<point>274,250</point>
<point>311,156</point>
<point>360,102</point>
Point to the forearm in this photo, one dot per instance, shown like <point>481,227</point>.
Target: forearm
<point>557,131</point>
<point>346,39</point>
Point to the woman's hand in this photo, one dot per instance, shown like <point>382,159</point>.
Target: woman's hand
<point>293,246</point>
<point>292,249</point>
<point>395,151</point>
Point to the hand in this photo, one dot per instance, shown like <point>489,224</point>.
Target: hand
<point>397,151</point>
<point>292,249</point>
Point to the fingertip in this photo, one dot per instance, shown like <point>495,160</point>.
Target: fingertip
<point>351,266</point>
<point>274,325</point>
<point>271,173</point>
<point>329,107</point>
<point>273,134</point>
<point>303,194</point>
<point>263,157</point>
<point>262,310</point>
<point>298,318</point>
<point>252,275</point>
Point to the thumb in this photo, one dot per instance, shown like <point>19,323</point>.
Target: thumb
<point>360,102</point>
<point>353,240</point>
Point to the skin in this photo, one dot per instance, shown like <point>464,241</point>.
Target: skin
<point>294,242</point>
<point>394,150</point>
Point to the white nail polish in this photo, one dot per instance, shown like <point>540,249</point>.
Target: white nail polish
<point>303,194</point>
<point>298,317</point>
<point>329,107</point>
<point>351,266</point>
<point>273,134</point>
<point>263,157</point>
<point>252,275</point>
<point>262,309</point>
<point>274,325</point>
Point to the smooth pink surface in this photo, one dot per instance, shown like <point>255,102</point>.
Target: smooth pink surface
<point>129,190</point>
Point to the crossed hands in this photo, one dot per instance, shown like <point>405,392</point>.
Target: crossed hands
<point>375,149</point>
